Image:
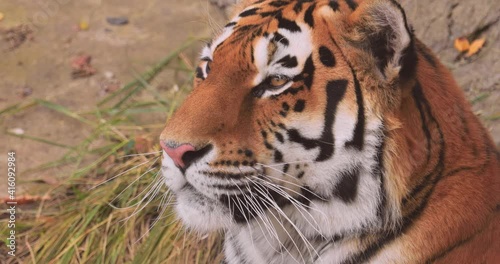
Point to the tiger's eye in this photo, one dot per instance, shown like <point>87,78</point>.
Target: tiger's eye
<point>278,80</point>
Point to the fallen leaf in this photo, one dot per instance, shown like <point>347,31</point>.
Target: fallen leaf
<point>84,25</point>
<point>81,66</point>
<point>462,44</point>
<point>1,16</point>
<point>475,46</point>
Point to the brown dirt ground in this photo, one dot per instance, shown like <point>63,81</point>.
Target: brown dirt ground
<point>42,62</point>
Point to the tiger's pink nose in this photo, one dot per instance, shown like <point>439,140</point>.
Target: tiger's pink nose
<point>177,153</point>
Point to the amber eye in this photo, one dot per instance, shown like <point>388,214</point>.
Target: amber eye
<point>278,80</point>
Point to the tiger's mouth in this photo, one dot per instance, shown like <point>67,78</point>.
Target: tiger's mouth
<point>222,198</point>
<point>245,199</point>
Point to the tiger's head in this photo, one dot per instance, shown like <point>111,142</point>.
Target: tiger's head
<point>289,109</point>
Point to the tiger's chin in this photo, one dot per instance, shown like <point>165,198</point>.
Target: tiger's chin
<point>200,213</point>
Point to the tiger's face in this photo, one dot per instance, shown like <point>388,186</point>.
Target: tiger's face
<point>283,114</point>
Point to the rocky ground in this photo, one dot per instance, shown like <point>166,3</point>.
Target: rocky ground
<point>35,60</point>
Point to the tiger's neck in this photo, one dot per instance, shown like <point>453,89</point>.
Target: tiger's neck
<point>394,186</point>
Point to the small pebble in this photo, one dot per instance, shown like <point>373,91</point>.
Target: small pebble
<point>16,131</point>
<point>117,21</point>
<point>175,88</point>
<point>25,91</point>
<point>109,75</point>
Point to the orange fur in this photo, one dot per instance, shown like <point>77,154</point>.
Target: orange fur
<point>448,217</point>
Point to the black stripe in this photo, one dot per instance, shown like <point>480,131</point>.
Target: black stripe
<point>295,136</point>
<point>199,73</point>
<point>226,187</point>
<point>308,16</point>
<point>245,207</point>
<point>288,62</point>
<point>249,12</point>
<point>347,188</point>
<point>335,91</point>
<point>298,6</point>
<point>352,5</point>
<point>227,175</point>
<point>334,5</point>
<point>418,102</point>
<point>308,72</point>
<point>427,55</point>
<point>379,172</point>
<point>358,138</point>
<point>279,137</point>
<point>454,246</point>
<point>278,38</point>
<point>279,3</point>
<point>278,156</point>
<point>421,103</point>
<point>285,168</point>
<point>299,106</point>
<point>359,131</point>
<point>326,56</point>
<point>243,29</point>
<point>285,106</point>
<point>436,173</point>
<point>287,24</point>
<point>230,24</point>
<point>270,13</point>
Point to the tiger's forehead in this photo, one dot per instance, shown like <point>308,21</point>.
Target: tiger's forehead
<point>276,35</point>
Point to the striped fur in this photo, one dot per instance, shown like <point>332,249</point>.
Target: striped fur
<point>367,153</point>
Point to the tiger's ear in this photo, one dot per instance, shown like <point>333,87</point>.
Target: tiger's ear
<point>379,27</point>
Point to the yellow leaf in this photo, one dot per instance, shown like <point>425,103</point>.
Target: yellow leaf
<point>462,44</point>
<point>84,25</point>
<point>476,46</point>
<point>1,16</point>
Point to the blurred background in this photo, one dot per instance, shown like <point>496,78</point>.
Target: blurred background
<point>86,86</point>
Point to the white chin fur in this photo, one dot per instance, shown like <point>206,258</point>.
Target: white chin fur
<point>200,213</point>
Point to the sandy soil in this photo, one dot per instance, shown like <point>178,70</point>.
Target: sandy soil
<point>42,63</point>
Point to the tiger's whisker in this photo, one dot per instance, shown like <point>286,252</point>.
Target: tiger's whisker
<point>273,205</point>
<point>128,186</point>
<point>141,154</point>
<point>121,173</point>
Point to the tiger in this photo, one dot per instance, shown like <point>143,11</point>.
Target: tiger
<point>324,131</point>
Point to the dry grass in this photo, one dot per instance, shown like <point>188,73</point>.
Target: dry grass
<point>113,209</point>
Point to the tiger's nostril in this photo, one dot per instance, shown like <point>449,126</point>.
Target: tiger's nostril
<point>191,156</point>
<point>185,154</point>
